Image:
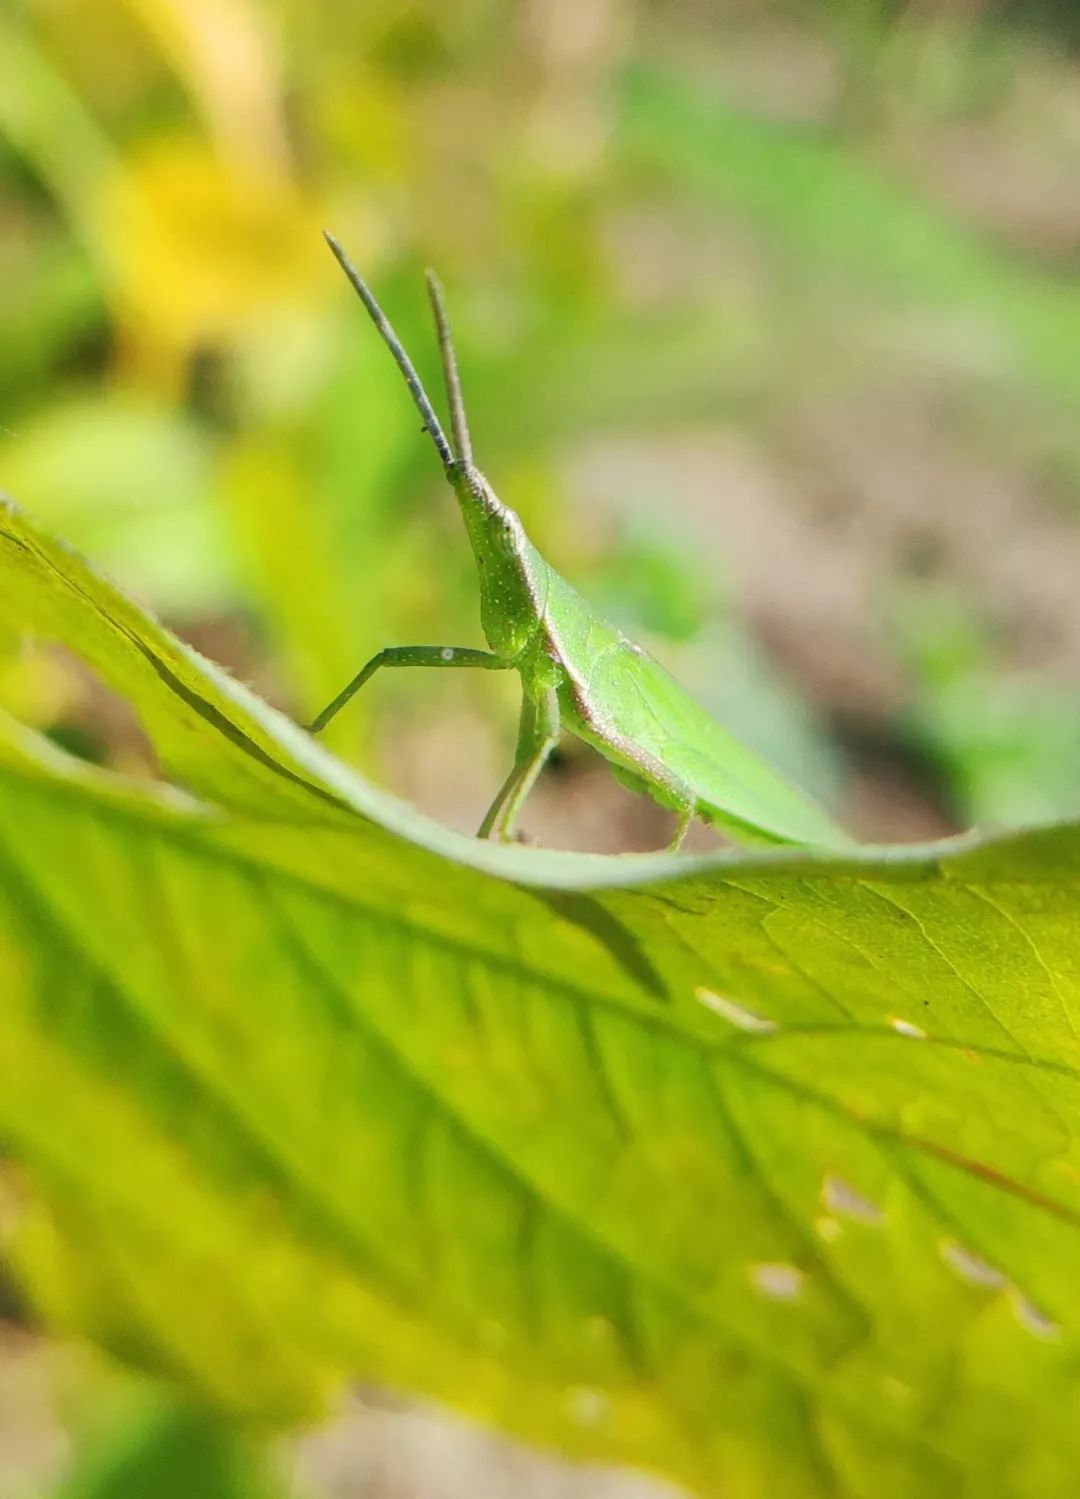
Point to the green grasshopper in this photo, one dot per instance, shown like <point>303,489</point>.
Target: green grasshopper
<point>578,673</point>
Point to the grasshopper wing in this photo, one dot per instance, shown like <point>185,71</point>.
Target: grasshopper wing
<point>642,719</point>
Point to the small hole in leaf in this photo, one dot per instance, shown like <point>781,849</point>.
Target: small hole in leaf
<point>971,1267</point>
<point>843,1201</point>
<point>907,1028</point>
<point>1032,1319</point>
<point>777,1280</point>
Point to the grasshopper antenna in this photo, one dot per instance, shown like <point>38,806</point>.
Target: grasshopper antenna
<point>451,378</point>
<point>393,343</point>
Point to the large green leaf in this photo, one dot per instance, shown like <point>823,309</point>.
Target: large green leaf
<point>760,1171</point>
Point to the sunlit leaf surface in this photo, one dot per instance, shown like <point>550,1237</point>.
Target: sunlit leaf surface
<point>761,1172</point>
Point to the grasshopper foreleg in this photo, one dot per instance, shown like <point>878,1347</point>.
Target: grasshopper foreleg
<point>410,655</point>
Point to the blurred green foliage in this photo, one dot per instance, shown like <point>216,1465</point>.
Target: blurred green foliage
<point>170,1450</point>
<point>702,220</point>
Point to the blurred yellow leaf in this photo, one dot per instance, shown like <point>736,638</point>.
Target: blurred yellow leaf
<point>201,250</point>
<point>226,54</point>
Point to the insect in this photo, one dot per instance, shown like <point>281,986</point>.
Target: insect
<point>578,673</point>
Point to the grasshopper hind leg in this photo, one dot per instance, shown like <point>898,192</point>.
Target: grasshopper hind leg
<point>665,790</point>
<point>686,817</point>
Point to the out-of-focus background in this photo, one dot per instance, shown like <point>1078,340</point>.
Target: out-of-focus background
<point>769,329</point>
<point>769,319</point>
